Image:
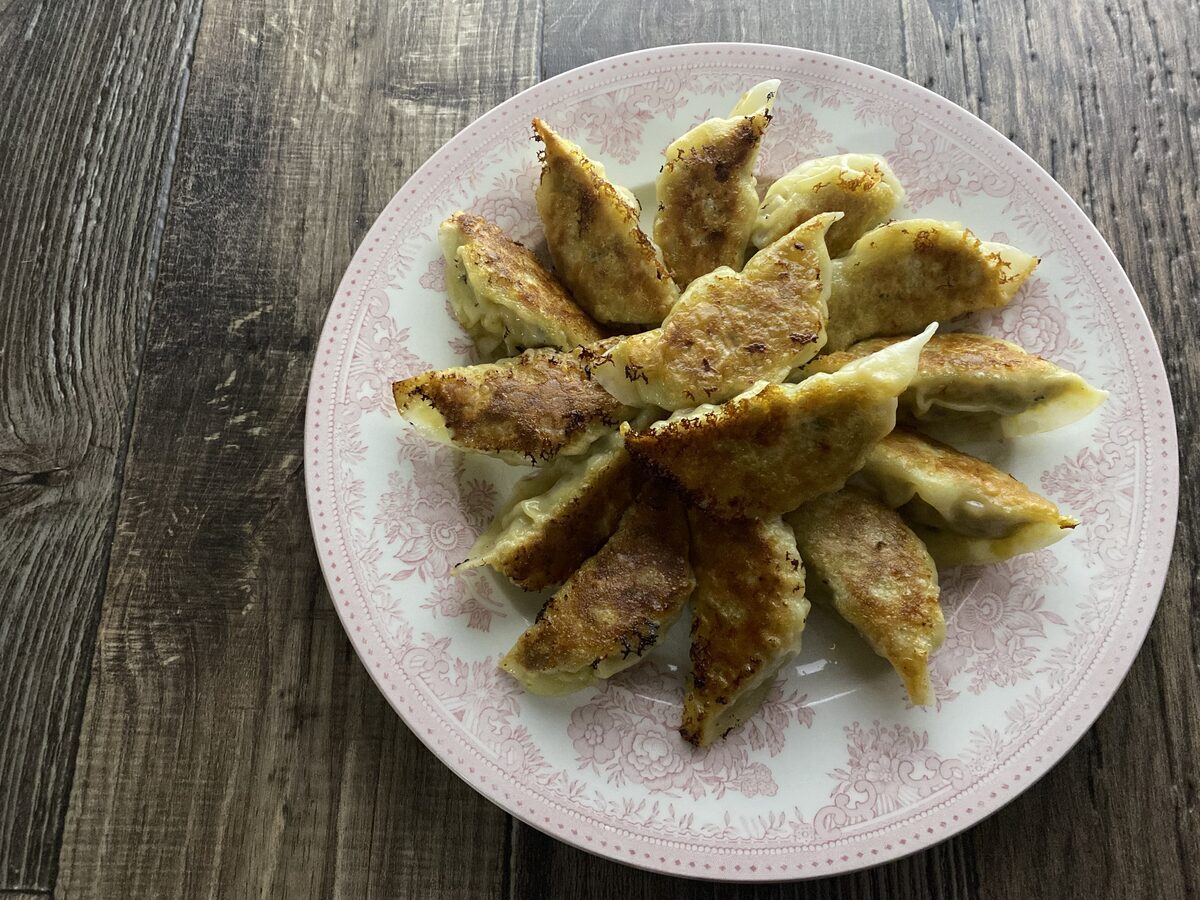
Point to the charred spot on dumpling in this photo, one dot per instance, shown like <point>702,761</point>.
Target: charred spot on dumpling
<point>503,296</point>
<point>592,231</point>
<point>707,200</point>
<point>613,609</point>
<point>901,276</point>
<point>748,613</point>
<point>861,186</point>
<point>775,446</point>
<point>534,406</point>
<point>864,561</point>
<point>731,329</point>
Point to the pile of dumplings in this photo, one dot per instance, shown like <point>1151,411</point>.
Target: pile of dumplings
<point>713,414</point>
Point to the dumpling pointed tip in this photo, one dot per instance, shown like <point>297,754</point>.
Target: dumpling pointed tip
<point>759,100</point>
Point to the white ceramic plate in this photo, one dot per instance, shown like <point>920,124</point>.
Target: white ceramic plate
<point>838,771</point>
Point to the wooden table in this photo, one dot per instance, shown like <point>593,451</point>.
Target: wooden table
<point>181,186</point>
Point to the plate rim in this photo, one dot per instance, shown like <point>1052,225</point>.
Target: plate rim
<point>493,791</point>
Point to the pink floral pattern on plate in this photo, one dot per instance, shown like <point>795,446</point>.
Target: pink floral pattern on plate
<point>1034,647</point>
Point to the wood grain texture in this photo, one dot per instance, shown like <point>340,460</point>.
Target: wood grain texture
<point>233,746</point>
<point>85,155</point>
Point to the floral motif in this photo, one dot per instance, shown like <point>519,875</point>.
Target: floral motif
<point>1035,321</point>
<point>434,276</point>
<point>929,164</point>
<point>510,204</point>
<point>421,513</point>
<point>889,768</point>
<point>381,356</point>
<point>611,123</point>
<point>466,594</point>
<point>790,141</point>
<point>994,633</point>
<point>642,710</point>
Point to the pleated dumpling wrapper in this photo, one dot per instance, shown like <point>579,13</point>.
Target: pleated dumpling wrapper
<point>862,560</point>
<point>861,185</point>
<point>767,451</point>
<point>748,614</point>
<point>524,410</point>
<point>707,201</point>
<point>615,607</point>
<point>899,277</point>
<point>503,297</point>
<point>599,251</point>
<point>730,329</point>
<point>558,517</point>
<point>966,511</point>
<point>976,382</point>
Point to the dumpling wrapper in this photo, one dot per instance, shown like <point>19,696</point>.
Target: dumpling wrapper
<point>861,185</point>
<point>730,329</point>
<point>524,410</point>
<point>558,517</point>
<point>966,511</point>
<point>707,200</point>
<point>599,251</point>
<point>976,381</point>
<point>899,277</point>
<point>615,607</point>
<point>503,297</point>
<point>862,560</point>
<point>769,450</point>
<point>748,614</point>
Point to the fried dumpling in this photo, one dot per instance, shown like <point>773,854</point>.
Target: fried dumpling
<point>558,517</point>
<point>861,185</point>
<point>977,381</point>
<point>615,607</point>
<point>707,201</point>
<point>769,450</point>
<point>502,295</point>
<point>861,559</point>
<point>599,251</point>
<point>965,510</point>
<point>899,277</point>
<point>748,613</point>
<point>730,329</point>
<point>527,409</point>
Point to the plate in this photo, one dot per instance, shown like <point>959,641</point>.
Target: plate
<point>838,771</point>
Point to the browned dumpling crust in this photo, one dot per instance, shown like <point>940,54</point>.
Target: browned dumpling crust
<point>861,559</point>
<point>600,253</point>
<point>964,509</point>
<point>748,614</point>
<point>527,409</point>
<point>978,380</point>
<point>616,607</point>
<point>504,297</point>
<point>558,517</point>
<point>901,276</point>
<point>730,329</point>
<point>776,446</point>
<point>707,201</point>
<point>860,185</point>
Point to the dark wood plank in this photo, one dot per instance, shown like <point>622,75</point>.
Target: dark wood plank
<point>232,745</point>
<point>1103,96</point>
<point>85,156</point>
